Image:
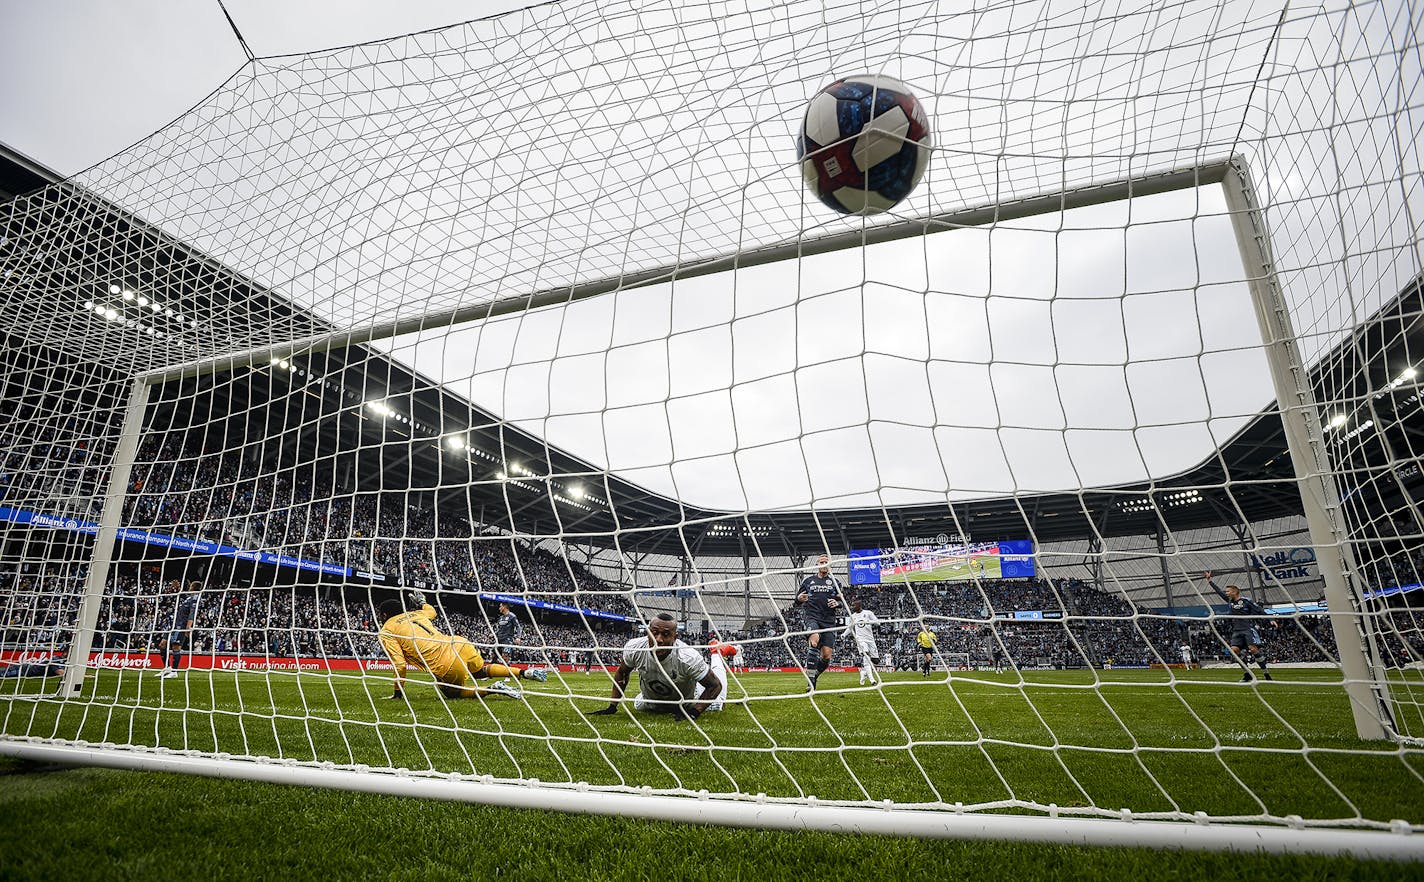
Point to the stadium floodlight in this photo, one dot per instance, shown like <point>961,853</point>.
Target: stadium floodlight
<point>114,289</point>
<point>904,344</point>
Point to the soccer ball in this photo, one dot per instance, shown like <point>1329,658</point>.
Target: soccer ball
<point>864,144</point>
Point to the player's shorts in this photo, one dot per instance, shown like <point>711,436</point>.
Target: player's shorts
<point>826,633</point>
<point>178,639</point>
<point>468,665</point>
<point>1245,638</point>
<point>504,650</point>
<point>867,647</point>
<point>924,650</point>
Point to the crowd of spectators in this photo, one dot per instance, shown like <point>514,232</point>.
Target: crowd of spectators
<point>1081,627</point>
<point>382,533</point>
<point>1032,623</point>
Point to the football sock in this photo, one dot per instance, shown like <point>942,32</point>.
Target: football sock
<point>821,664</point>
<point>500,671</point>
<point>813,658</point>
<point>163,654</point>
<point>176,659</point>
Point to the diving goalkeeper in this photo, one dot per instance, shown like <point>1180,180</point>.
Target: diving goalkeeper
<point>411,640</point>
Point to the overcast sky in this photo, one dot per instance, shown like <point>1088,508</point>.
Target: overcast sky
<point>1099,346</point>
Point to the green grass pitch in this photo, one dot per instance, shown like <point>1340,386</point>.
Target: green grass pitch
<point>1145,740</point>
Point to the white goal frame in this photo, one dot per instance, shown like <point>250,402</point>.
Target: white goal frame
<point>1369,698</point>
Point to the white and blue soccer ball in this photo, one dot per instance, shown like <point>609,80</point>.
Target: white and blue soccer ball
<point>864,145</point>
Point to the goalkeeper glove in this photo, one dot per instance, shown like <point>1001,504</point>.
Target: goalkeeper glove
<point>416,598</point>
<point>606,712</point>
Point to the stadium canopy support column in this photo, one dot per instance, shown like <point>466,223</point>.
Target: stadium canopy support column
<point>1300,416</point>
<point>99,563</point>
<point>1166,571</point>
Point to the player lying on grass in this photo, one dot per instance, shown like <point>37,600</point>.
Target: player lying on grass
<point>411,640</point>
<point>1243,631</point>
<point>669,674</point>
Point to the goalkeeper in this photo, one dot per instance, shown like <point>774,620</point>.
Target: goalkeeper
<point>411,640</point>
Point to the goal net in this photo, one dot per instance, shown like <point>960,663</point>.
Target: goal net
<point>362,419</point>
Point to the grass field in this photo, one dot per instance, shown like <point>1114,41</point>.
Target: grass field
<point>1139,741</point>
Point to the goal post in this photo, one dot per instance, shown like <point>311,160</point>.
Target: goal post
<point>1300,416</point>
<point>97,579</point>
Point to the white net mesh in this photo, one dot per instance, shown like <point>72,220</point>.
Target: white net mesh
<point>1023,440</point>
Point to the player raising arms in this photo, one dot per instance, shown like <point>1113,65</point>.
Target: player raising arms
<point>669,674</point>
<point>819,597</point>
<point>411,640</point>
<point>1244,634</point>
<point>862,622</point>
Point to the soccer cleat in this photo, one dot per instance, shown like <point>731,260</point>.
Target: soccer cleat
<point>168,674</point>
<point>503,688</point>
<point>811,684</point>
<point>1246,679</point>
<point>535,674</point>
<point>1266,676</point>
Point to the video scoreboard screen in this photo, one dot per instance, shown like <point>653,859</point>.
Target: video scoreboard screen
<point>943,563</point>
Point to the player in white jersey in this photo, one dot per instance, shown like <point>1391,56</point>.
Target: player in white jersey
<point>669,674</point>
<point>1187,661</point>
<point>862,623</point>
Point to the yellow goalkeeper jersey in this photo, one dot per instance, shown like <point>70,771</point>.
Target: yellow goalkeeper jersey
<point>410,640</point>
<point>927,638</point>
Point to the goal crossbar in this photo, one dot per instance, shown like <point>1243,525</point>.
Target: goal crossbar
<point>1213,172</point>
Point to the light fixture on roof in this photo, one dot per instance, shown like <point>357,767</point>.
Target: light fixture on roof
<point>576,491</point>
<point>1338,420</point>
<point>168,311</point>
<point>155,307</point>
<point>456,442</point>
<point>284,364</point>
<point>128,295</point>
<point>142,301</point>
<point>1408,373</point>
<point>500,475</point>
<point>110,313</point>
<point>88,304</point>
<point>114,289</point>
